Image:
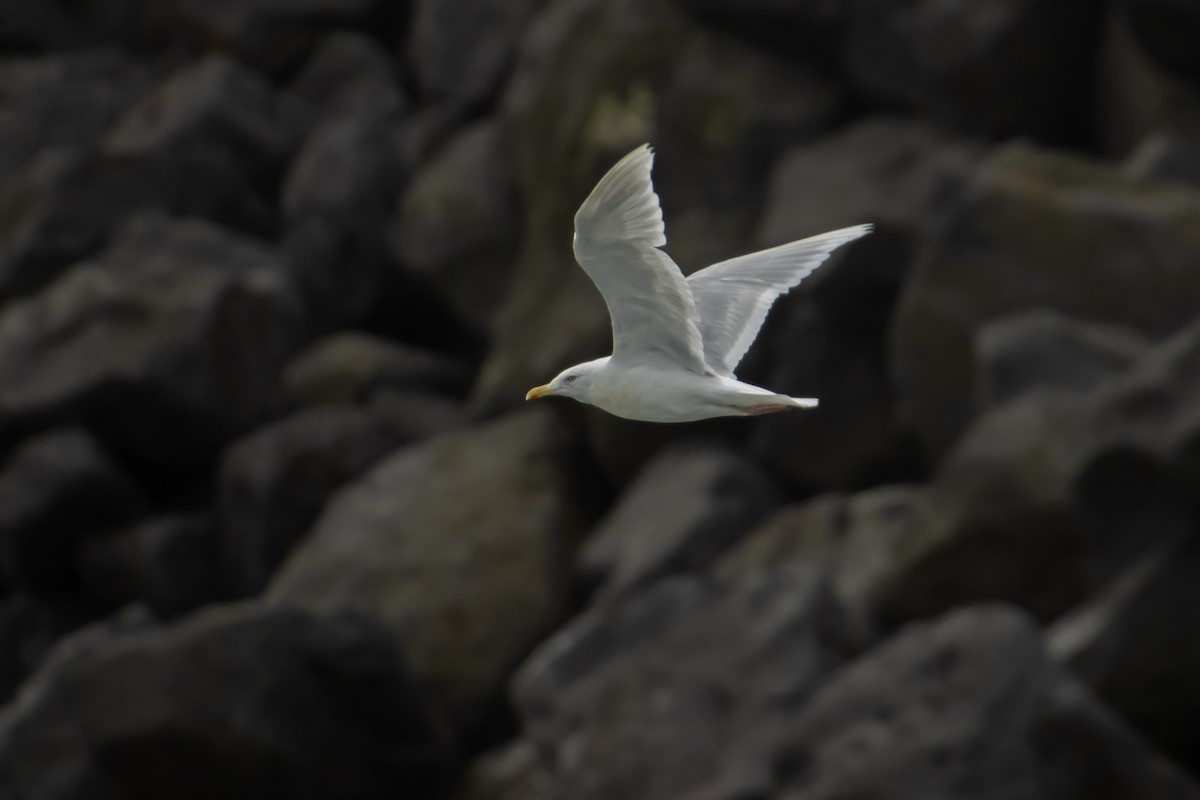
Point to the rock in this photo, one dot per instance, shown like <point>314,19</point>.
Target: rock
<point>462,545</point>
<point>458,224</point>
<point>217,135</point>
<point>689,504</point>
<point>337,197</point>
<point>801,533</point>
<point>1050,496</point>
<point>56,489</point>
<point>270,35</point>
<point>594,80</point>
<point>1166,29</point>
<point>272,485</point>
<point>61,207</point>
<point>1043,348</point>
<point>68,101</point>
<point>1135,645</point>
<point>80,24</point>
<point>900,174</point>
<point>170,564</point>
<point>347,368</point>
<point>461,51</point>
<point>1136,96</point>
<point>150,350</point>
<point>670,692</point>
<point>967,706</point>
<point>1165,157</point>
<point>854,540</point>
<point>946,59</point>
<point>813,31</point>
<point>252,701</point>
<point>1017,242</point>
<point>411,415</point>
<point>28,629</point>
<point>511,772</point>
<point>347,75</point>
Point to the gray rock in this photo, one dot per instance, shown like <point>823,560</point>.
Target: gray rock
<point>169,564</point>
<point>461,544</point>
<point>672,691</point>
<point>268,34</point>
<point>61,207</point>
<point>349,74</point>
<point>411,415</point>
<point>594,80</point>
<point>458,224</point>
<point>462,50</point>
<point>802,533</point>
<point>151,350</point>
<point>1166,157</point>
<point>67,101</point>
<point>1136,645</point>
<point>811,31</point>
<point>1166,30</point>
<point>215,133</point>
<point>28,629</point>
<point>272,484</point>
<point>347,368</point>
<point>246,700</point>
<point>511,772</point>
<point>55,490</point>
<point>968,706</point>
<point>1010,67</point>
<point>1043,348</point>
<point>1031,222</point>
<point>1136,96</point>
<point>689,504</point>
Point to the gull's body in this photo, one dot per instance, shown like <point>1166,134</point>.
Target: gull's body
<point>676,341</point>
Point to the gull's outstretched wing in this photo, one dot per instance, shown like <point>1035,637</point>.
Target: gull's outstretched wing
<point>618,231</point>
<point>734,296</point>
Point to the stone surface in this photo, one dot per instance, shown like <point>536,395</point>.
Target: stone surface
<point>688,505</point>
<point>1042,348</point>
<point>462,50</point>
<point>1166,157</point>
<point>1012,67</point>
<point>148,345</point>
<point>269,34</point>
<point>69,101</point>
<point>347,368</point>
<point>272,485</point>
<point>461,544</point>
<point>1135,644</point>
<point>968,706</point>
<point>511,772</point>
<point>458,223</point>
<point>215,135</point>
<point>169,564</point>
<point>1017,241</point>
<point>595,80</point>
<point>55,490</point>
<point>671,692</point>
<point>1166,30</point>
<point>245,700</point>
<point>348,74</point>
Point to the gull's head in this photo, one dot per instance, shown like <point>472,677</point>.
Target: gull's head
<point>575,382</point>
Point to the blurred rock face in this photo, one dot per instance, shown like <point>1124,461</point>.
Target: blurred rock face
<point>275,276</point>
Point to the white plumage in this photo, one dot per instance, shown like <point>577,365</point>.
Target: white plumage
<point>676,341</point>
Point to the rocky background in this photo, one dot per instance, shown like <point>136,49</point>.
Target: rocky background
<point>275,521</point>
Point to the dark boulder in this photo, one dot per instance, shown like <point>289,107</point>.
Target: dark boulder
<point>249,701</point>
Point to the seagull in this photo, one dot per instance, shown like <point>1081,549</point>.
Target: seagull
<point>676,341</point>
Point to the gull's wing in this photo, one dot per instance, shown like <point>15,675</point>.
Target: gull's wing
<point>734,296</point>
<point>618,231</point>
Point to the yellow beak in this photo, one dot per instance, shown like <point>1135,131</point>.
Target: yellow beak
<point>538,391</point>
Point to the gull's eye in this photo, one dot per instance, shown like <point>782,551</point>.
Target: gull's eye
<point>571,378</point>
